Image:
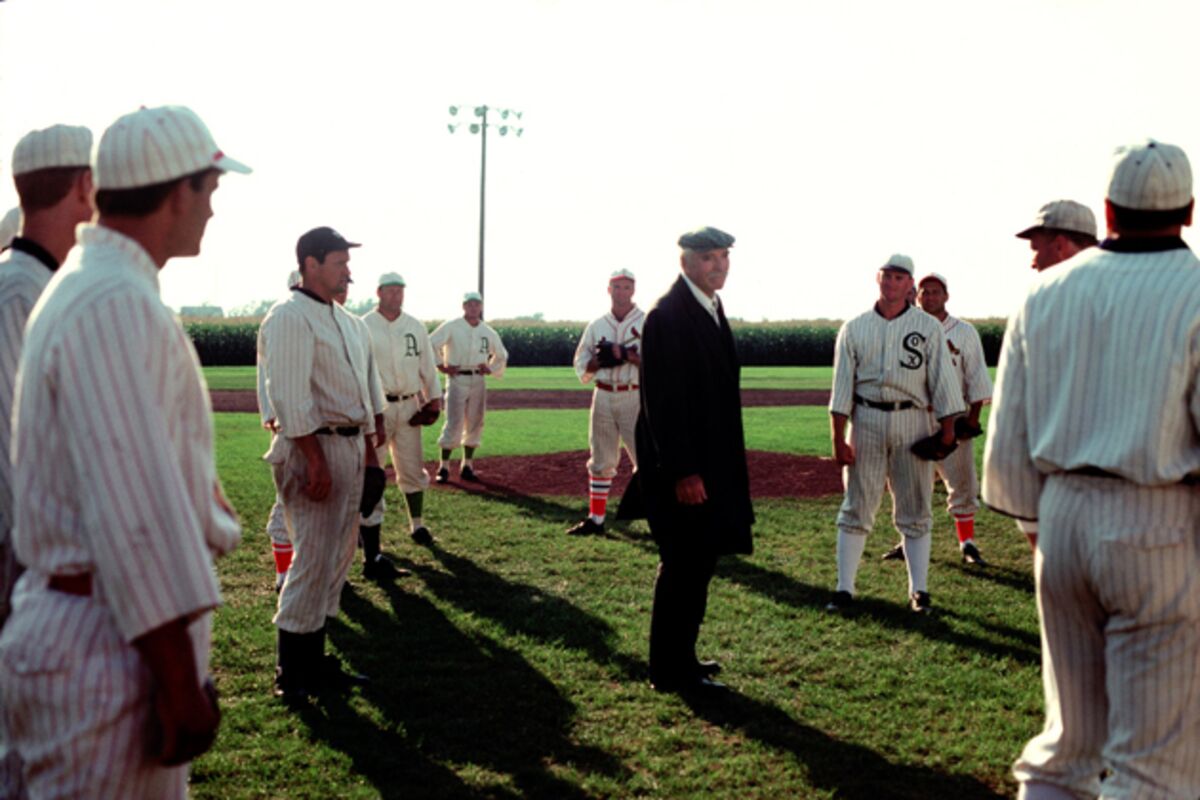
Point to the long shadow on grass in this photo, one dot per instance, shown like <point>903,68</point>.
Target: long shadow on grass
<point>786,590</point>
<point>447,696</point>
<point>1019,579</point>
<point>526,610</point>
<point>848,770</point>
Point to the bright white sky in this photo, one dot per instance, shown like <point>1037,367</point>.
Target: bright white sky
<point>823,135</point>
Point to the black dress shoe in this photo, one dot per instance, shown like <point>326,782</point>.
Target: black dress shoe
<point>707,669</point>
<point>895,554</point>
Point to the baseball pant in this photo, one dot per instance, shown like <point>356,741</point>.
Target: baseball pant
<point>324,533</point>
<point>613,418</point>
<point>1118,589</point>
<point>404,447</point>
<point>957,471</point>
<point>277,522</point>
<point>76,699</point>
<point>466,400</point>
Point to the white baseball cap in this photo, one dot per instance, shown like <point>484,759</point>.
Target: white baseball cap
<point>1150,176</point>
<point>935,276</point>
<point>469,296</point>
<point>391,279</point>
<point>1062,215</point>
<point>155,145</point>
<point>621,273</point>
<point>899,261</point>
<point>56,146</point>
<point>294,279</point>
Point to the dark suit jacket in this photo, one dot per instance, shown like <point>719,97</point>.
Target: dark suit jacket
<point>691,424</point>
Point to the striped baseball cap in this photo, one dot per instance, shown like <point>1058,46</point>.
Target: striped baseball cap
<point>1062,215</point>
<point>1150,176</point>
<point>56,146</point>
<point>901,262</point>
<point>156,145</point>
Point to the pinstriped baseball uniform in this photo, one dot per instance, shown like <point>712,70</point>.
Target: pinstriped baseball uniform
<point>957,470</point>
<point>10,223</point>
<point>276,520</point>
<point>1100,375</point>
<point>457,343</point>
<point>317,376</point>
<point>408,373</point>
<point>114,477</point>
<point>614,410</point>
<point>904,359</point>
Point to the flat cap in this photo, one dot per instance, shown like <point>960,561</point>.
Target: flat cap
<point>704,239</point>
<point>391,279</point>
<point>1062,215</point>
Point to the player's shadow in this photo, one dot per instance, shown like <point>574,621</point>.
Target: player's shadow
<point>786,590</point>
<point>841,768</point>
<point>1019,579</point>
<point>526,610</point>
<point>447,696</point>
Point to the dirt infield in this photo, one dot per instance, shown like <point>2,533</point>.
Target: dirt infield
<point>771,475</point>
<point>245,400</point>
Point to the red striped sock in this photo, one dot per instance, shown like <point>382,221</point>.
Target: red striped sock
<point>598,497</point>
<point>965,528</point>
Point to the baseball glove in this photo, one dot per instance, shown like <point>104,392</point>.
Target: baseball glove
<point>374,481</point>
<point>426,415</point>
<point>604,354</point>
<point>931,448</point>
<point>963,429</point>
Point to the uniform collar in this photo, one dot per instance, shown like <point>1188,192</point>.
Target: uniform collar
<point>1143,244</point>
<point>309,293</point>
<point>32,248</point>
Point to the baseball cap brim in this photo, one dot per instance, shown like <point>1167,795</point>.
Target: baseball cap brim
<point>227,164</point>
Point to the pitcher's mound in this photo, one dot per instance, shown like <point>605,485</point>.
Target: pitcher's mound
<point>771,475</point>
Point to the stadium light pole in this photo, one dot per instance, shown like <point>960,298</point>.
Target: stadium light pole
<point>480,127</point>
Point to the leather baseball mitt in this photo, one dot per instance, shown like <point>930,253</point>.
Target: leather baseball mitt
<point>604,354</point>
<point>931,448</point>
<point>963,429</point>
<point>426,415</point>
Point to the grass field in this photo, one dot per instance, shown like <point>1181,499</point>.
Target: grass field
<point>512,663</point>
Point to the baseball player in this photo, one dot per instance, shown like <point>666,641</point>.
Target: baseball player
<point>608,354</point>
<point>10,226</point>
<point>890,365</point>
<point>54,184</point>
<point>466,350</point>
<point>281,540</point>
<point>409,375</point>
<point>1095,432</point>
<point>957,470</point>
<point>119,512</point>
<point>317,383</point>
<point>1061,229</point>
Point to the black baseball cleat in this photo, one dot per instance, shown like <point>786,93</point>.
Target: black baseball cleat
<point>422,536</point>
<point>688,684</point>
<point>381,568</point>
<point>971,555</point>
<point>919,603</point>
<point>895,554</point>
<point>443,475</point>
<point>587,527</point>
<point>468,474</point>
<point>842,601</point>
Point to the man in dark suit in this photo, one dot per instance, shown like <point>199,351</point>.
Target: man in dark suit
<point>691,455</point>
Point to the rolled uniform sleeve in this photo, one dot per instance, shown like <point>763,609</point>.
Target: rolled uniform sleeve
<point>975,374</point>
<point>583,353</point>
<point>428,369</point>
<point>1012,484</point>
<point>148,545</point>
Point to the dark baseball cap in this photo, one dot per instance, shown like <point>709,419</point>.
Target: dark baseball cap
<point>320,242</point>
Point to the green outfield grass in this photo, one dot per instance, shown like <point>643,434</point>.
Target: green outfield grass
<point>511,664</point>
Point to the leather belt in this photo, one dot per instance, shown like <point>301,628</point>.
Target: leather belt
<point>78,585</point>
<point>468,372</point>
<point>1096,472</point>
<point>620,387</point>
<point>897,406</point>
<point>396,398</point>
<point>341,430</point>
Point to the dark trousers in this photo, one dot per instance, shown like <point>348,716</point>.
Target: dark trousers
<point>680,599</point>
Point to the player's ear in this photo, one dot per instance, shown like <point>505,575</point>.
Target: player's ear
<point>1110,216</point>
<point>1191,207</point>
